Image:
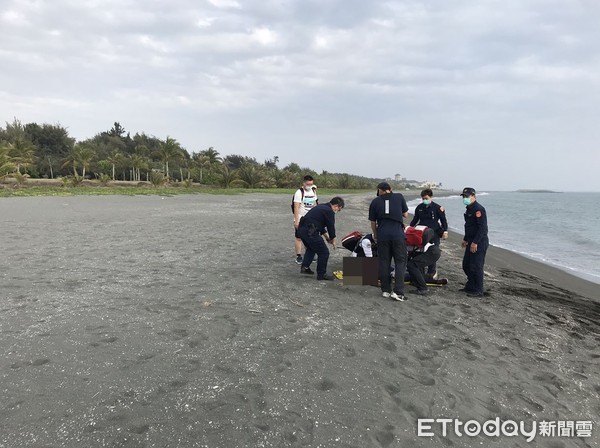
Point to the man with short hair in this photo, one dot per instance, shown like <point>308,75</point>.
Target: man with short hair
<point>386,214</point>
<point>320,220</point>
<point>432,215</point>
<point>475,243</point>
<point>304,200</point>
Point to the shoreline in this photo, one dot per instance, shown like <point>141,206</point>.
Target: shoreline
<point>501,257</point>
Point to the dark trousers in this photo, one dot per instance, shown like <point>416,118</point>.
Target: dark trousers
<point>386,250</point>
<point>432,268</point>
<point>315,245</point>
<point>473,266</point>
<point>417,264</point>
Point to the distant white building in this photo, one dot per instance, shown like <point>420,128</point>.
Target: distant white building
<point>397,177</point>
<point>430,184</point>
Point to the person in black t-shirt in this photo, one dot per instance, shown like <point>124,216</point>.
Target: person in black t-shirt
<point>386,214</point>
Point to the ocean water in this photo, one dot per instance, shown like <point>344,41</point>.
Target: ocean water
<point>560,229</point>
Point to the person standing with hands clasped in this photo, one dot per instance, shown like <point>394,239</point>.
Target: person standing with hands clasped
<point>386,214</point>
<point>475,243</point>
<point>320,220</point>
<point>432,215</point>
<point>305,198</point>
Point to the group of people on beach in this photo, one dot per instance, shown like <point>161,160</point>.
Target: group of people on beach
<point>414,250</point>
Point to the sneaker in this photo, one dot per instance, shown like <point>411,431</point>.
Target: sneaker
<point>304,270</point>
<point>434,276</point>
<point>386,295</point>
<point>325,277</point>
<point>299,259</point>
<point>398,297</point>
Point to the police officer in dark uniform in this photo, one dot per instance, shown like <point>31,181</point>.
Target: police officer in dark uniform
<point>475,243</point>
<point>432,215</point>
<point>421,257</point>
<point>386,214</point>
<point>320,220</point>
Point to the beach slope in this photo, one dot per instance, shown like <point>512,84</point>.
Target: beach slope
<point>184,322</point>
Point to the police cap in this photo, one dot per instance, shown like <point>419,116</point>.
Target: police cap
<point>468,191</point>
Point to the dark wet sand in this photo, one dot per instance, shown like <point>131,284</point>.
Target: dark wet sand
<point>183,322</point>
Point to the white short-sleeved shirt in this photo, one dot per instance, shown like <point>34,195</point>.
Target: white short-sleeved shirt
<point>306,203</point>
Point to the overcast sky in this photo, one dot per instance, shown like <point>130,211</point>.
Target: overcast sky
<point>494,94</point>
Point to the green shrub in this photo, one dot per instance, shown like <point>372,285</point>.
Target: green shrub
<point>104,179</point>
<point>157,179</point>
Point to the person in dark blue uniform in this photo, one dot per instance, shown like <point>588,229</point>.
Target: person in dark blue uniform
<point>475,243</point>
<point>386,214</point>
<point>320,220</point>
<point>432,215</point>
<point>419,258</point>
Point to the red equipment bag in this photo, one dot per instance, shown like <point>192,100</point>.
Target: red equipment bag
<point>414,235</point>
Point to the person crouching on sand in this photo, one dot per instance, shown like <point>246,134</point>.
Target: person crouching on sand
<point>320,220</point>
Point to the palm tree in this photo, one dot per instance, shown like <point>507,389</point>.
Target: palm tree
<point>169,150</point>
<point>138,162</point>
<point>211,155</point>
<point>201,162</point>
<point>6,165</point>
<point>325,179</point>
<point>344,181</point>
<point>80,156</point>
<point>285,179</point>
<point>85,155</point>
<point>72,160</point>
<point>251,175</point>
<point>115,158</point>
<point>22,153</point>
<point>226,175</point>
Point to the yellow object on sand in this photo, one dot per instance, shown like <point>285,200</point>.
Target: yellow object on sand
<point>338,274</point>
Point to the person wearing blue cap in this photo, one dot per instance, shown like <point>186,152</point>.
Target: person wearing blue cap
<point>475,243</point>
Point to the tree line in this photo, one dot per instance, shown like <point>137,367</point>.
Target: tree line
<point>47,151</point>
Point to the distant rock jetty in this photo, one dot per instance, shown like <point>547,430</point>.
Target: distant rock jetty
<point>538,191</point>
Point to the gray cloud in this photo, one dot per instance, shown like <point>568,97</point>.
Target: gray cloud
<point>510,85</point>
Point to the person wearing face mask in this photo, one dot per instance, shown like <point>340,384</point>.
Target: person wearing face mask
<point>304,199</point>
<point>432,215</point>
<point>320,220</point>
<point>386,214</point>
<point>475,243</point>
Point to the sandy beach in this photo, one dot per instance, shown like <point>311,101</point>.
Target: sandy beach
<point>184,322</point>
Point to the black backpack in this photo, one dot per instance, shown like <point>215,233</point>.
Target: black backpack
<point>302,191</point>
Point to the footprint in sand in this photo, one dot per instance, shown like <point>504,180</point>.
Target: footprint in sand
<point>388,345</point>
<point>138,429</point>
<point>325,385</point>
<point>390,363</point>
<point>283,366</point>
<point>35,363</point>
<point>385,437</point>
<point>105,340</point>
<point>349,352</point>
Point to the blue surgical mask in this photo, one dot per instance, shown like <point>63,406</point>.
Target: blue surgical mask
<point>467,201</point>
<point>426,201</point>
